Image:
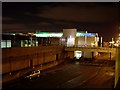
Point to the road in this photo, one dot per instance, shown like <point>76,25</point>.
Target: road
<point>70,75</point>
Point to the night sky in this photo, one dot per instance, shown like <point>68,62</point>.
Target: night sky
<point>101,18</point>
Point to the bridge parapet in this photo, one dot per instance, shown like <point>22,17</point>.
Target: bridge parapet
<point>91,49</point>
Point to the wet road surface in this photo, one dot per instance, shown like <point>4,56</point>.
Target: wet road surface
<point>70,75</point>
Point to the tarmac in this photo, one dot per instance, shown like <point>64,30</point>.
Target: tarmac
<point>72,74</point>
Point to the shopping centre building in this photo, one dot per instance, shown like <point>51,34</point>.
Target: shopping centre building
<point>68,38</point>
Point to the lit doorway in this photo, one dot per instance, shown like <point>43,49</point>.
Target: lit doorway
<point>77,54</point>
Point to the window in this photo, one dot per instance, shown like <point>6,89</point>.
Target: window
<point>8,43</point>
<point>3,43</point>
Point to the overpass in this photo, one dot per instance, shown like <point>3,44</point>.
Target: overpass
<point>91,49</point>
<point>102,49</point>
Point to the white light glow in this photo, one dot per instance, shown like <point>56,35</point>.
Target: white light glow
<point>92,44</point>
<point>62,39</point>
<point>49,35</point>
<point>70,42</point>
<point>78,54</point>
<point>116,44</point>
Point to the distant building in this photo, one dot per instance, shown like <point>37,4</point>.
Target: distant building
<point>69,38</point>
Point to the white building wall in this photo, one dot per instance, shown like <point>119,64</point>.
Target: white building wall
<point>70,35</point>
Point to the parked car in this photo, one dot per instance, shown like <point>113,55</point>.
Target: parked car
<point>31,74</point>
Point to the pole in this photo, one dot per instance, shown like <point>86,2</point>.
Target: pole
<point>86,39</point>
<point>112,42</point>
<point>101,42</point>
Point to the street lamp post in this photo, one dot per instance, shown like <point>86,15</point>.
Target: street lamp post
<point>112,42</point>
<point>101,42</point>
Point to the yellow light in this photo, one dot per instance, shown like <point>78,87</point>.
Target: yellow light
<point>92,44</point>
<point>116,44</point>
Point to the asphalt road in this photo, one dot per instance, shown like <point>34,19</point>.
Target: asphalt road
<point>70,75</point>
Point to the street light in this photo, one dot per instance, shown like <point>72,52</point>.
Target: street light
<point>101,42</point>
<point>112,42</point>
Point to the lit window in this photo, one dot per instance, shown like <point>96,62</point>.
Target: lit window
<point>8,43</point>
<point>3,43</point>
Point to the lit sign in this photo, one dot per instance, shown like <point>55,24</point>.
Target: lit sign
<point>48,34</point>
<point>85,34</point>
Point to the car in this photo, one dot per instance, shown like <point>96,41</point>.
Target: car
<point>31,74</point>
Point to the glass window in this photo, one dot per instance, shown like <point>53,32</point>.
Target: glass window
<point>3,43</point>
<point>8,43</point>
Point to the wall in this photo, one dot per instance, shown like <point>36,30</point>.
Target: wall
<point>117,66</point>
<point>14,59</point>
<point>70,54</point>
<point>87,55</point>
<point>80,41</point>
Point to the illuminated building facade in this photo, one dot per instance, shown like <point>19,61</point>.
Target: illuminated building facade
<point>69,38</point>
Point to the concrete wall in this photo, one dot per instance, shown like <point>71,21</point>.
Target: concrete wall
<point>117,66</point>
<point>87,55</point>
<point>70,54</point>
<point>14,59</point>
<point>84,54</point>
<point>90,54</point>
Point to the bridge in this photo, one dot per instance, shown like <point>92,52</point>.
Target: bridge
<point>91,49</point>
<point>102,49</point>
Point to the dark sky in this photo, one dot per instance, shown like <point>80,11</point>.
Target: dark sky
<point>101,18</point>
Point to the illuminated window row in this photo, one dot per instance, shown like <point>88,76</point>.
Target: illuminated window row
<point>5,43</point>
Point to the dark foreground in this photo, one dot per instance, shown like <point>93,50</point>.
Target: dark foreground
<point>71,75</point>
